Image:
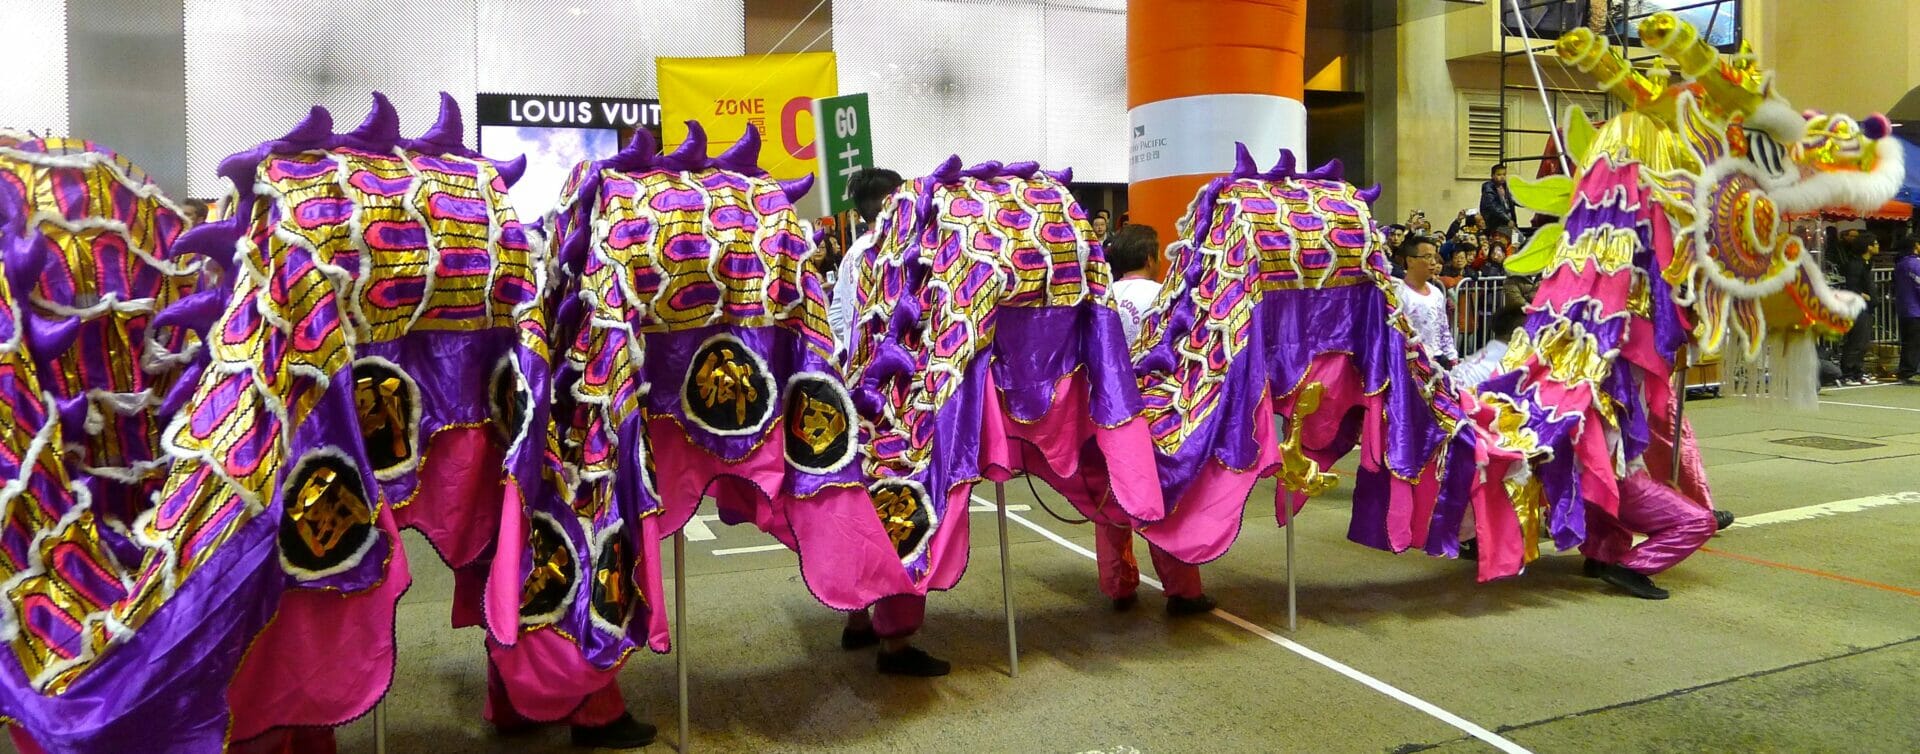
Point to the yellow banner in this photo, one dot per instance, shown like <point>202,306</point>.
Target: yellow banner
<point>775,93</point>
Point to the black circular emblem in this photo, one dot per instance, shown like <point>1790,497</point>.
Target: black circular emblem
<point>508,399</point>
<point>905,514</point>
<point>386,400</point>
<point>820,424</point>
<point>727,390</point>
<point>325,519</point>
<point>554,571</point>
<point>613,589</point>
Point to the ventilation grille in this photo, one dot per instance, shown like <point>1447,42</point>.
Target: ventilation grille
<point>1480,137</point>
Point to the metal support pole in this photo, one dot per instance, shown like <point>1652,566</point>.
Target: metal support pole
<point>1286,522</point>
<point>380,727</point>
<point>1006,582</point>
<point>680,628</point>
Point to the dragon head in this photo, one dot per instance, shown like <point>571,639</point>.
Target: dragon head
<point>1730,161</point>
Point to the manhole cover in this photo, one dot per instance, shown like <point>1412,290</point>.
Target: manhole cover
<point>1826,443</point>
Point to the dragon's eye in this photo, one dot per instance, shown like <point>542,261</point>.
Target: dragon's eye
<point>1764,152</point>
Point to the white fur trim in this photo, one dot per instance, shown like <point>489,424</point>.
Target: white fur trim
<point>1862,192</point>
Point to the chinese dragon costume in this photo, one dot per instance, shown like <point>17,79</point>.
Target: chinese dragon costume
<point>1674,238</point>
<point>984,345</point>
<point>692,358</point>
<point>366,350</point>
<point>1279,303</point>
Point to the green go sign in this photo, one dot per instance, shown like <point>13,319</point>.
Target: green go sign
<point>846,145</point>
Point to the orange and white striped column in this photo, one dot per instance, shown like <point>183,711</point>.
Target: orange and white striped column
<point>1201,75</point>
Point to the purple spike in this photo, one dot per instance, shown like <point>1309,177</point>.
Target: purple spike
<point>1063,175</point>
<point>1023,170</point>
<point>988,169</point>
<point>948,172</point>
<point>213,240</point>
<point>1370,194</point>
<point>449,131</point>
<point>1334,170</point>
<point>318,126</point>
<point>692,154</point>
<point>1243,164</point>
<point>22,265</point>
<point>195,312</point>
<point>744,156</point>
<point>511,170</point>
<point>73,414</point>
<point>183,389</point>
<point>51,337</point>
<point>1284,169</point>
<point>638,155</point>
<point>381,128</point>
<point>798,187</point>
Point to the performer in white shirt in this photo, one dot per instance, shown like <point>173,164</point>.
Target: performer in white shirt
<point>1485,362</point>
<point>1424,301</point>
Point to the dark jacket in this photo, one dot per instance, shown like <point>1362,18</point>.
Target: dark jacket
<point>1856,274</point>
<point>1497,206</point>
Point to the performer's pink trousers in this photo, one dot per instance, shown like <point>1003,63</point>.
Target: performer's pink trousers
<point>899,616</point>
<point>1674,526</point>
<point>1120,572</point>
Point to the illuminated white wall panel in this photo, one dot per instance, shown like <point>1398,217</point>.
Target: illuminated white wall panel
<point>1010,80</point>
<point>254,67</point>
<point>33,91</point>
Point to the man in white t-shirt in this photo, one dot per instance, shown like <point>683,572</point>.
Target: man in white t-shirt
<point>1482,365</point>
<point>1130,252</point>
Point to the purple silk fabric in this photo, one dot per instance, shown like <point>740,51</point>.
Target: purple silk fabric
<point>1034,347</point>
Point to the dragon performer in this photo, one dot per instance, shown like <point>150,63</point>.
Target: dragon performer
<point>983,344</point>
<point>691,346</point>
<point>1279,302</point>
<point>1674,241</point>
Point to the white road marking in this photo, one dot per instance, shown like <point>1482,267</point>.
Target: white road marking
<point>982,506</point>
<point>745,550</point>
<point>1466,726</point>
<point>1869,405</point>
<point>1823,510</point>
<point>697,529</point>
<point>1825,390</point>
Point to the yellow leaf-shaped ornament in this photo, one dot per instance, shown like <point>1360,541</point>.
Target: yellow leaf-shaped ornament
<point>1551,195</point>
<point>1538,253</point>
<point>1580,133</point>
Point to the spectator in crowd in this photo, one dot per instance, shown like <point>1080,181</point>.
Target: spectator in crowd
<point>1520,289</point>
<point>1417,223</point>
<point>1496,202</point>
<point>1855,265</point>
<point>1099,223</point>
<point>1424,301</point>
<point>1906,294</point>
<point>1499,247</point>
<point>192,213</point>
<point>1131,252</point>
<point>1456,268</point>
<point>1396,235</point>
<point>1468,221</point>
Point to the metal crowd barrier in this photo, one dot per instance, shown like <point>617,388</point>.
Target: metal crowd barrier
<point>1476,299</point>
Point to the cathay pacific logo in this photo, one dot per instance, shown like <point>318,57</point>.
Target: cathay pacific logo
<point>1139,131</point>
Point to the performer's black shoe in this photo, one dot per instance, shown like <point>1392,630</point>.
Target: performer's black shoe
<point>912,662</point>
<point>1722,519</point>
<point>1636,583</point>
<point>624,733</point>
<point>1592,568</point>
<point>1184,606</point>
<point>858,638</point>
<point>1470,549</point>
<point>1124,604</point>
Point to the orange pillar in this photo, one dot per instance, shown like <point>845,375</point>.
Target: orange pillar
<point>1201,75</point>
